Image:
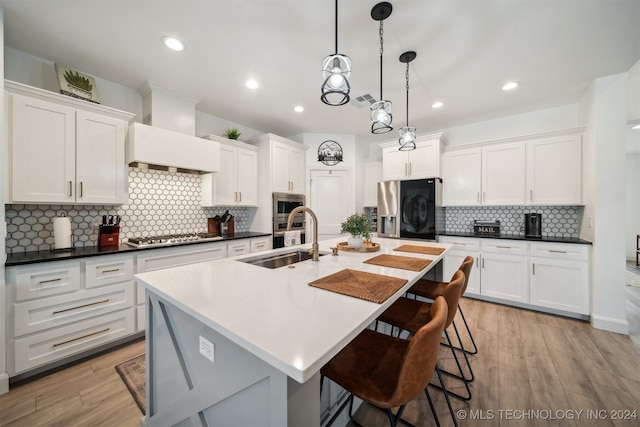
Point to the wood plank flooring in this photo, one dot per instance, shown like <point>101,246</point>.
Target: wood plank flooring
<point>526,361</point>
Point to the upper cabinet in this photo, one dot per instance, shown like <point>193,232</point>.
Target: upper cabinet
<point>554,170</point>
<point>63,150</point>
<point>236,184</point>
<point>423,162</point>
<point>536,171</point>
<point>288,168</point>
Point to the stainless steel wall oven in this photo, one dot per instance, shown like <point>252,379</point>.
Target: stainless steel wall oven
<point>283,204</point>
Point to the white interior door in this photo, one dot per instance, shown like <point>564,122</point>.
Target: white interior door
<point>329,200</point>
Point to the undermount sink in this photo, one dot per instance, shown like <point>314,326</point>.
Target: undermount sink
<point>280,259</point>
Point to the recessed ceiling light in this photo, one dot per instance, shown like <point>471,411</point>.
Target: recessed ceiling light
<point>252,84</point>
<point>173,44</point>
<point>510,86</point>
<point>298,108</point>
<point>437,104</point>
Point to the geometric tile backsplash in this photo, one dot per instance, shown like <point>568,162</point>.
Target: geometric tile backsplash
<point>160,202</point>
<point>557,221</point>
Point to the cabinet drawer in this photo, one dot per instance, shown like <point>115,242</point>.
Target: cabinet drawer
<point>108,270</point>
<point>172,257</point>
<point>260,244</point>
<point>44,280</point>
<point>570,252</point>
<point>238,248</point>
<point>141,318</point>
<point>37,315</point>
<point>46,347</point>
<point>511,247</point>
<point>462,243</point>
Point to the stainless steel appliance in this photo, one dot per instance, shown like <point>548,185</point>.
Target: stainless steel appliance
<point>410,209</point>
<point>283,204</point>
<point>533,225</point>
<point>170,239</point>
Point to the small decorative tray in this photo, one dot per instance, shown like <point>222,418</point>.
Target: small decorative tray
<point>374,247</point>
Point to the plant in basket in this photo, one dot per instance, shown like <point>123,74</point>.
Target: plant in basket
<point>358,226</point>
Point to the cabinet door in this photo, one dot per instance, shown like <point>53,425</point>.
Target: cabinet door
<point>280,168</point>
<point>101,171</point>
<point>554,171</point>
<point>451,264</point>
<point>503,175</point>
<point>424,161</point>
<point>225,186</point>
<point>462,177</point>
<point>247,178</point>
<point>372,175</point>
<point>559,284</point>
<point>42,151</point>
<point>505,277</point>
<point>395,164</point>
<point>296,171</point>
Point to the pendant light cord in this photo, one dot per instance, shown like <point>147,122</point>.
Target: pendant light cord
<point>407,77</point>
<point>336,27</point>
<point>381,52</point>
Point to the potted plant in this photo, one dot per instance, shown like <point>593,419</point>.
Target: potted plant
<point>232,133</point>
<point>359,227</point>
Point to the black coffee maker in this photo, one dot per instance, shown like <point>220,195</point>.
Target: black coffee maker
<point>533,225</point>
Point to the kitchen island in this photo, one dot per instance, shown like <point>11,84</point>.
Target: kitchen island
<point>239,344</point>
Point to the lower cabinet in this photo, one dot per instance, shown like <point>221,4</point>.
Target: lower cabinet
<point>59,309</point>
<point>551,277</point>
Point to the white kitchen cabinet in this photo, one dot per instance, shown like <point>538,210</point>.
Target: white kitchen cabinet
<point>61,308</point>
<point>372,175</point>
<point>462,182</point>
<point>423,162</point>
<point>554,170</point>
<point>238,247</point>
<point>236,184</point>
<point>504,270</point>
<point>559,277</point>
<point>492,176</point>
<point>259,244</point>
<point>62,150</point>
<point>503,175</point>
<point>462,248</point>
<point>288,168</point>
<point>157,259</point>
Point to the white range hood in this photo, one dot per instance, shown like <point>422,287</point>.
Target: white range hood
<point>156,146</point>
<point>170,142</point>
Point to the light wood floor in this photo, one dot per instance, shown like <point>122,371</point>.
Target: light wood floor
<point>526,360</point>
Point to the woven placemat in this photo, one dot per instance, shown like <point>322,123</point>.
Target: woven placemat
<point>397,261</point>
<point>427,250</point>
<point>360,284</point>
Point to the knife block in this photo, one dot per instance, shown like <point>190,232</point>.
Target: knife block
<point>227,228</point>
<point>108,235</point>
<point>213,226</point>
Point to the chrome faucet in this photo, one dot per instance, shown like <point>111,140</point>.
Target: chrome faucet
<point>314,247</point>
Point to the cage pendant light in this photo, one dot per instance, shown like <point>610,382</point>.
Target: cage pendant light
<point>336,70</point>
<point>407,139</point>
<point>381,111</point>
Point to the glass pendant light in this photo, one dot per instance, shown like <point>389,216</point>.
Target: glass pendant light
<point>381,111</point>
<point>407,138</point>
<point>336,70</point>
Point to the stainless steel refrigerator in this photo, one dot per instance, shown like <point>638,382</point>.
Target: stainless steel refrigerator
<point>411,209</point>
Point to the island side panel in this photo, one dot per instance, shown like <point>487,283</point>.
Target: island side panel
<point>237,389</point>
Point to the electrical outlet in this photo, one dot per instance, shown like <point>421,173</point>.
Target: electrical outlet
<point>206,348</point>
<point>590,222</point>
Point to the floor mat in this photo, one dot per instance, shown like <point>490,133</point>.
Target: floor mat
<point>133,373</point>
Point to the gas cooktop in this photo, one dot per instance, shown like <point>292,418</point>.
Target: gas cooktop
<point>171,239</point>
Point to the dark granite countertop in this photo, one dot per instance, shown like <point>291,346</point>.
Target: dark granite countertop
<point>545,239</point>
<point>46,256</point>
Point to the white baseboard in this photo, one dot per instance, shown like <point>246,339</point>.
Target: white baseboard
<point>620,326</point>
<point>4,384</point>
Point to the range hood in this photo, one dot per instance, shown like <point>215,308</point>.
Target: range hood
<point>154,146</point>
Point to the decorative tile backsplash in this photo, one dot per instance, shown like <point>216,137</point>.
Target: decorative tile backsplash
<point>159,203</point>
<point>557,221</point>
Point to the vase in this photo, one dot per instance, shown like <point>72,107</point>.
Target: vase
<point>355,241</point>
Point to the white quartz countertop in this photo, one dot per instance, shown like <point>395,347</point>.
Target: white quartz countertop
<point>274,313</point>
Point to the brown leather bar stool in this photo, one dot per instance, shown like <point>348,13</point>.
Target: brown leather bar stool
<point>389,372</point>
<point>431,289</point>
<point>409,315</point>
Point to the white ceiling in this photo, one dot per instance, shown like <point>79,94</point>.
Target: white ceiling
<point>465,50</point>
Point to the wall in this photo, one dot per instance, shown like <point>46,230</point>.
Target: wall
<point>159,203</point>
<point>603,111</point>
